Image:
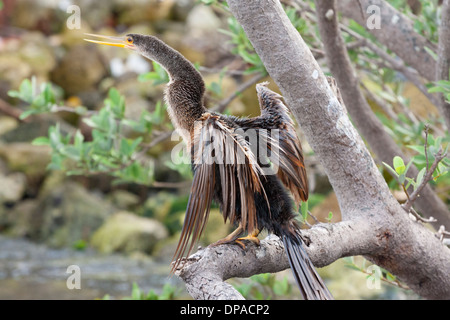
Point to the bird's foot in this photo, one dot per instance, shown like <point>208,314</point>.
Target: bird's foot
<point>232,237</point>
<point>240,242</point>
<point>253,237</point>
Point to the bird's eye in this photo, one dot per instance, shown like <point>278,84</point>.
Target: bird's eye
<point>130,40</point>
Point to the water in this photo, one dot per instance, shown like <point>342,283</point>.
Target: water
<point>33,271</point>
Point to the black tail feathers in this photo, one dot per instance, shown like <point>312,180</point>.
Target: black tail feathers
<point>310,284</point>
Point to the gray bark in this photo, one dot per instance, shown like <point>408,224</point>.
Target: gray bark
<point>374,223</point>
<point>396,32</point>
<point>362,115</point>
<point>443,63</point>
<point>205,272</point>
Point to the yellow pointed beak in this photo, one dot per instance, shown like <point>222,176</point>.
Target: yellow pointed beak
<point>113,41</point>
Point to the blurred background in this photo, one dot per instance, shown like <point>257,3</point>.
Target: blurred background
<point>116,211</point>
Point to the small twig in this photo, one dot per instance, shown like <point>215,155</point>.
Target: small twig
<point>387,108</point>
<point>158,139</point>
<point>312,216</point>
<point>428,177</point>
<point>55,108</point>
<point>405,191</point>
<point>171,185</point>
<point>420,218</point>
<point>425,130</point>
<point>221,106</point>
<point>442,233</point>
<point>396,283</point>
<point>9,110</point>
<point>227,72</point>
<point>393,63</point>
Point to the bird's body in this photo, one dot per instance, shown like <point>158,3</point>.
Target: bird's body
<point>246,165</point>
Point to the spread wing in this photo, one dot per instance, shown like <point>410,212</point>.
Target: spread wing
<point>275,115</point>
<point>220,156</point>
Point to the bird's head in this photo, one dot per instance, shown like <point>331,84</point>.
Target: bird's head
<point>146,45</point>
<point>123,42</point>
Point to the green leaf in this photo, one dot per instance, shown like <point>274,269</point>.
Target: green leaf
<point>26,91</point>
<point>419,178</point>
<point>353,266</point>
<point>81,110</point>
<point>437,89</point>
<point>40,141</point>
<point>135,143</point>
<point>27,113</point>
<point>151,295</point>
<point>330,216</point>
<point>391,170</point>
<point>78,140</point>
<point>304,210</point>
<point>114,96</point>
<point>281,287</point>
<point>399,165</point>
<point>71,152</point>
<point>136,293</point>
<point>390,277</point>
<point>48,95</point>
<point>431,53</point>
<point>418,148</point>
<point>115,102</point>
<point>56,162</point>
<point>408,165</point>
<point>90,122</point>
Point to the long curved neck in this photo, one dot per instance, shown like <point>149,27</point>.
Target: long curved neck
<point>184,93</point>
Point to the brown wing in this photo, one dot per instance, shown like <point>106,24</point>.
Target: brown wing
<point>291,171</point>
<point>218,149</point>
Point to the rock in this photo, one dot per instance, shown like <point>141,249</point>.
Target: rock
<point>165,207</point>
<point>202,20</point>
<point>123,199</point>
<point>137,11</point>
<point>70,213</point>
<point>12,187</point>
<point>60,217</point>
<point>202,34</point>
<point>26,158</point>
<point>13,70</point>
<point>216,229</point>
<point>36,52</point>
<point>7,124</point>
<point>127,233</point>
<point>28,131</point>
<point>26,56</point>
<point>76,73</point>
<point>16,221</point>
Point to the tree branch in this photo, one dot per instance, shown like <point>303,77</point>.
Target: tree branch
<point>206,271</point>
<point>222,105</point>
<point>443,63</point>
<point>396,32</point>
<point>365,120</point>
<point>9,110</point>
<point>427,177</point>
<point>396,64</point>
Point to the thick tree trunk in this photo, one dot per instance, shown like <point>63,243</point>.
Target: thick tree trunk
<point>396,32</point>
<point>443,63</point>
<point>362,115</point>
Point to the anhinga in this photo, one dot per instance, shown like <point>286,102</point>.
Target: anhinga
<point>231,172</point>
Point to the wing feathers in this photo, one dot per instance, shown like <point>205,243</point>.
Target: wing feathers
<point>291,171</point>
<point>219,149</point>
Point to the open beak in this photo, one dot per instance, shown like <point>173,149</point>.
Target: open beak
<point>112,41</point>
